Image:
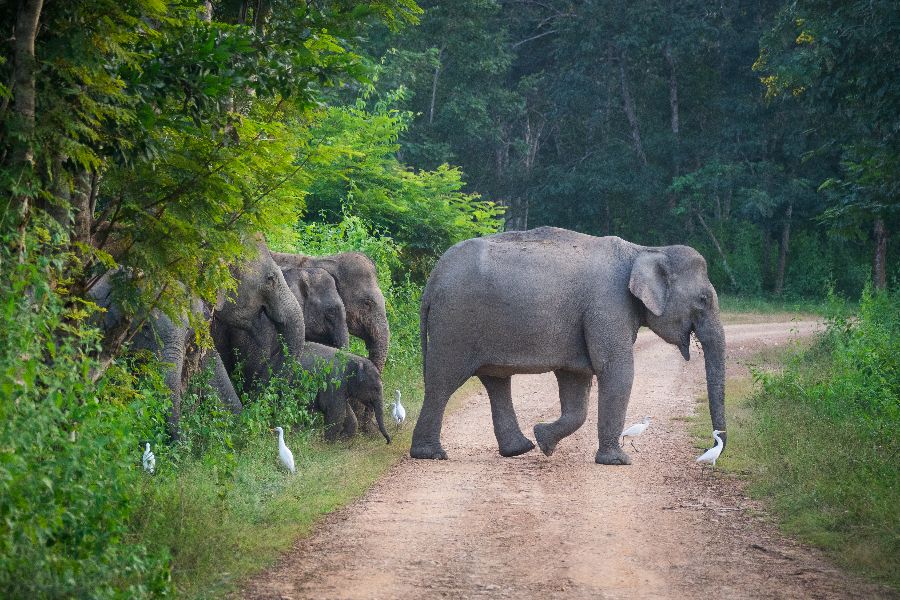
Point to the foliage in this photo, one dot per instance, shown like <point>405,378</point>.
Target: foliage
<point>819,438</point>
<point>69,452</point>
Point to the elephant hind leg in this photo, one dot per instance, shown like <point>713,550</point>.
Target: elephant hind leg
<point>574,389</point>
<point>506,426</point>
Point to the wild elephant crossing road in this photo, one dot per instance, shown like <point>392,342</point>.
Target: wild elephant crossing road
<point>482,526</point>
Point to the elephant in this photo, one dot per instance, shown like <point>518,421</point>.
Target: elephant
<point>356,279</point>
<point>261,292</point>
<point>173,342</point>
<point>352,377</point>
<point>550,299</point>
<point>323,310</point>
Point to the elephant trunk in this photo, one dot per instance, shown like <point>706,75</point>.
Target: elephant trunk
<point>379,418</point>
<point>377,339</point>
<point>712,338</point>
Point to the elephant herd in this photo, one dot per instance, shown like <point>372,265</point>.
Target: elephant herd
<point>306,305</point>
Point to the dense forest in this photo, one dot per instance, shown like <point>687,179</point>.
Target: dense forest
<point>762,133</point>
<point>163,140</point>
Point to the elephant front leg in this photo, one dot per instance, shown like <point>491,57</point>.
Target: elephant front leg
<point>574,389</point>
<point>614,390</point>
<point>509,436</point>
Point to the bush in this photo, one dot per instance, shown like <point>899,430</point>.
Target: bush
<point>824,436</point>
<point>70,451</point>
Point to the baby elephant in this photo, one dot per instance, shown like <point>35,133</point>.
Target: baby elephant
<point>352,377</point>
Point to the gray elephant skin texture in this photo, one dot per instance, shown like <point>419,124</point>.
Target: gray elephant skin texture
<point>555,300</point>
<point>324,314</point>
<point>262,296</point>
<point>173,343</point>
<point>352,378</point>
<point>356,279</point>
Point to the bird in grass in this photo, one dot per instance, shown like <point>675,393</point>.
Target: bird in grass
<point>284,453</point>
<point>399,412</point>
<point>711,455</point>
<point>634,431</point>
<point>148,459</point>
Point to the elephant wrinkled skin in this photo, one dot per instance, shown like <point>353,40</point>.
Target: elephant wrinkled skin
<point>556,300</point>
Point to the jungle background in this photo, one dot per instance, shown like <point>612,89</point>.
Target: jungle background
<point>161,136</point>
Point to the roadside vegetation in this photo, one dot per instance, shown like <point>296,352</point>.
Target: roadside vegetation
<point>163,137</point>
<point>816,436</point>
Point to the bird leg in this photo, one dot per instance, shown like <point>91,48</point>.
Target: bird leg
<point>631,441</point>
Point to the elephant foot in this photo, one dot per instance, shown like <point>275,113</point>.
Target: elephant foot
<point>544,440</point>
<point>428,451</point>
<point>613,456</point>
<point>520,445</point>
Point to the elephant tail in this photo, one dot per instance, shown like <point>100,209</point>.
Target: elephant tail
<point>423,327</point>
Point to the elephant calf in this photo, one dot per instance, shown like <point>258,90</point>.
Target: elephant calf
<point>352,377</point>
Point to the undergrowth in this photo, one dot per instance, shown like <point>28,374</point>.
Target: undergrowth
<point>818,438</point>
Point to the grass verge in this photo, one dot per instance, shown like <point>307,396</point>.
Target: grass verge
<point>227,516</point>
<point>823,477</point>
<point>738,310</point>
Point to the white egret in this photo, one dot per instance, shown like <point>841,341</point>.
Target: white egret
<point>634,431</point>
<point>711,455</point>
<point>399,412</point>
<point>284,453</point>
<point>148,459</point>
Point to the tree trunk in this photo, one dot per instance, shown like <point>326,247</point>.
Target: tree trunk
<point>27,23</point>
<point>206,12</point>
<point>766,258</point>
<point>718,246</point>
<point>879,258</point>
<point>783,247</point>
<point>630,113</point>
<point>673,91</point>
<point>434,85</point>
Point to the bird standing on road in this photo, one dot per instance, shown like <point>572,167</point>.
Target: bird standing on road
<point>634,431</point>
<point>711,455</point>
<point>399,412</point>
<point>148,459</point>
<point>284,453</point>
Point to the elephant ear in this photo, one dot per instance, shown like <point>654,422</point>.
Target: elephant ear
<point>650,281</point>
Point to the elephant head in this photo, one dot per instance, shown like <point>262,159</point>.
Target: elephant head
<point>323,310</point>
<point>356,278</point>
<point>262,289</point>
<point>365,387</point>
<point>673,285</point>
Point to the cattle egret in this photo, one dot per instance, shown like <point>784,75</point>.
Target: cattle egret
<point>148,459</point>
<point>635,430</point>
<point>399,412</point>
<point>284,453</point>
<point>713,453</point>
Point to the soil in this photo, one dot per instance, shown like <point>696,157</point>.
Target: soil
<point>482,526</point>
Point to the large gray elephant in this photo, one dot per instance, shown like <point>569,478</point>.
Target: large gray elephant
<point>555,300</point>
<point>323,310</point>
<point>174,344</point>
<point>261,292</point>
<point>356,279</point>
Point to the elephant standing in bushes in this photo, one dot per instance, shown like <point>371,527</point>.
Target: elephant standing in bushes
<point>352,377</point>
<point>555,300</point>
<point>323,310</point>
<point>356,278</point>
<point>173,343</point>
<point>262,296</point>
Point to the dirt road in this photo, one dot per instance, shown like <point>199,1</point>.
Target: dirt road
<point>482,526</point>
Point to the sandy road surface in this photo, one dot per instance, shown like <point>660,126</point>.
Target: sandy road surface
<point>482,526</point>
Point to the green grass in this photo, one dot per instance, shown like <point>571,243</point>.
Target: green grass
<point>226,519</point>
<point>742,309</point>
<point>826,481</point>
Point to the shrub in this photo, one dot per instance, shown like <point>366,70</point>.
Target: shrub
<point>69,450</point>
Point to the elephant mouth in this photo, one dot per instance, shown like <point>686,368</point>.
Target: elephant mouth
<point>685,345</point>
